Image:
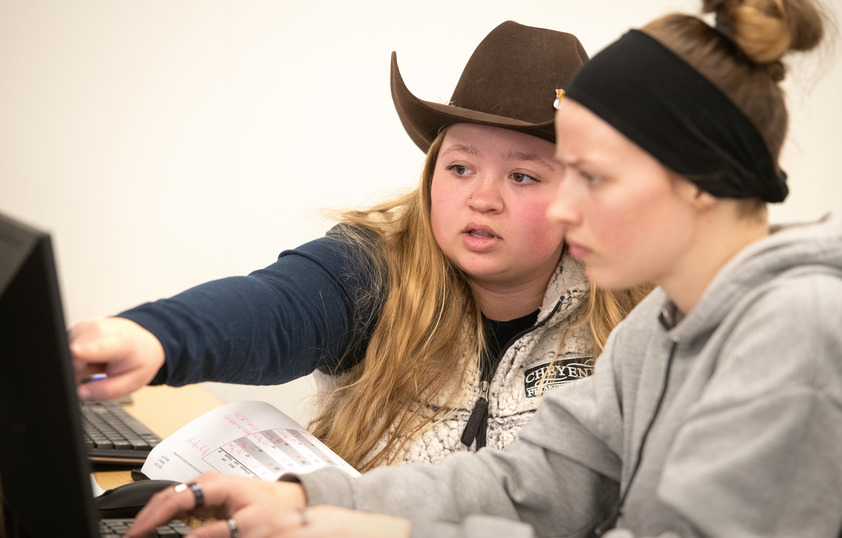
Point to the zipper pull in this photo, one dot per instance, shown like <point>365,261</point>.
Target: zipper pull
<point>478,419</point>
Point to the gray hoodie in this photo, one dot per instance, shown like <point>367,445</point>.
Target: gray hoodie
<point>739,404</point>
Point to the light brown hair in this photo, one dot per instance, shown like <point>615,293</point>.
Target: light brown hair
<point>742,53</point>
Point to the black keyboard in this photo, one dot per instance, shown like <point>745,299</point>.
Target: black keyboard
<point>117,528</point>
<point>112,435</point>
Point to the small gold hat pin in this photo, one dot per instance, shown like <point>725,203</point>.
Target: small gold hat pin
<point>559,95</point>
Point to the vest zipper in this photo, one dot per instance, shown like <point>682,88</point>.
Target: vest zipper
<point>477,425</point>
<point>478,421</point>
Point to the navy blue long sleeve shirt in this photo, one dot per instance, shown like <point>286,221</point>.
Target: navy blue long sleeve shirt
<point>312,308</point>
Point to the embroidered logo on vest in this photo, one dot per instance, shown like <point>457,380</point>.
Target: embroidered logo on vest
<point>539,379</point>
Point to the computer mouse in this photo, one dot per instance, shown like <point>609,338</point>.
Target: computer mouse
<point>126,501</point>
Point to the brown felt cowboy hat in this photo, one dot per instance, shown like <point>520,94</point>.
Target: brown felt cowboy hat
<point>510,81</point>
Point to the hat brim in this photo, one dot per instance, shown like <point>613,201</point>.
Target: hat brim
<point>423,120</point>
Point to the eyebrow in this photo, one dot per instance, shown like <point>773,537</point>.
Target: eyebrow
<point>511,155</point>
<point>575,163</point>
<point>524,156</point>
<point>461,148</point>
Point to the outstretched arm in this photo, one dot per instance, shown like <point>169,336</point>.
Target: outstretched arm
<point>311,309</point>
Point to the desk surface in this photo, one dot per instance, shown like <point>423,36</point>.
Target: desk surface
<point>164,410</point>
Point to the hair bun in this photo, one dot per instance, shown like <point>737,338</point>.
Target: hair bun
<point>765,30</point>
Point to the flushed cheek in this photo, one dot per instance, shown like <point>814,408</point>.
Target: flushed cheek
<point>441,212</point>
<point>617,238</point>
<point>630,249</point>
<point>542,234</point>
<point>614,255</point>
<point>438,225</point>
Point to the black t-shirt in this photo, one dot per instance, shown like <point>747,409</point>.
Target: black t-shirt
<point>498,335</point>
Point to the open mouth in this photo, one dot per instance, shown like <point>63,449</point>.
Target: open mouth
<point>479,231</point>
<point>481,234</point>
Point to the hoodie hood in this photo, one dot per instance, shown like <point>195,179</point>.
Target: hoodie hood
<point>801,247</point>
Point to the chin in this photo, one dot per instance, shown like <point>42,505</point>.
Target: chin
<point>611,280</point>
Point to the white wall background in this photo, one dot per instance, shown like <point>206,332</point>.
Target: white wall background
<point>168,142</point>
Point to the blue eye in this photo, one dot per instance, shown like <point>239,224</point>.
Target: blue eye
<point>522,178</point>
<point>458,169</point>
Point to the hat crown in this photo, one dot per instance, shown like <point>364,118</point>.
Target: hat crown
<point>510,81</point>
<point>515,71</point>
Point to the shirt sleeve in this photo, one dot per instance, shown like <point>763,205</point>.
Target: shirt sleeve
<point>315,307</point>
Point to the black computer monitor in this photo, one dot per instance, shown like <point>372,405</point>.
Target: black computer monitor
<point>44,471</point>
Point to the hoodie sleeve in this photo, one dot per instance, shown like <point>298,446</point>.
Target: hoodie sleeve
<point>558,479</point>
<point>755,454</point>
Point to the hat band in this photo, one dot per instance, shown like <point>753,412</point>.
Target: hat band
<point>673,112</point>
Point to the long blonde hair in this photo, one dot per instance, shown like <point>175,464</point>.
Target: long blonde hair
<point>411,357</point>
<point>607,308</point>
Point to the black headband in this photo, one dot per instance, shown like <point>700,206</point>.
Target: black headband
<point>673,112</point>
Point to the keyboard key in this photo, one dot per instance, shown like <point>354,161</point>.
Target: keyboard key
<point>118,527</point>
<point>111,429</point>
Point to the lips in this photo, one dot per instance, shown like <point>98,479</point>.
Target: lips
<point>577,251</point>
<point>480,231</point>
<point>479,238</point>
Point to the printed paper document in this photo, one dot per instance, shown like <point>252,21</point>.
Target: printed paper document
<point>248,438</point>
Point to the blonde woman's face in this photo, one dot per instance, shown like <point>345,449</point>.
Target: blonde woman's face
<point>625,215</point>
<point>490,191</point>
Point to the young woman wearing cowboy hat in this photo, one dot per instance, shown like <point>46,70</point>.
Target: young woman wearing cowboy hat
<point>716,408</point>
<point>434,321</point>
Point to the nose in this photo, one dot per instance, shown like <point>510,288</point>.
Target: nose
<point>486,195</point>
<point>564,209</point>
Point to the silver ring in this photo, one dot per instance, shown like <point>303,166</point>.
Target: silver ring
<point>233,528</point>
<point>198,495</point>
<point>303,513</point>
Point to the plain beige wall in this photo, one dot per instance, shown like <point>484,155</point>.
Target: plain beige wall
<point>168,142</point>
